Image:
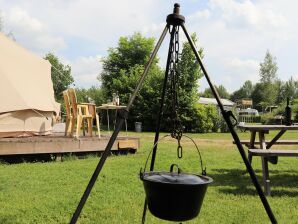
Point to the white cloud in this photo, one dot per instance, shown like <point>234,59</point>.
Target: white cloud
<point>243,65</point>
<point>234,34</point>
<point>237,34</point>
<point>19,17</point>
<point>248,14</point>
<point>102,21</point>
<point>203,14</point>
<point>85,70</point>
<point>242,70</point>
<point>31,32</point>
<point>153,29</point>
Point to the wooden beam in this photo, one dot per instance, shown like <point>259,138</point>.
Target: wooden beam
<point>128,144</point>
<point>45,144</point>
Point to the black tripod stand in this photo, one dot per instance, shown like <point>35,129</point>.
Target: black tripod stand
<point>174,21</point>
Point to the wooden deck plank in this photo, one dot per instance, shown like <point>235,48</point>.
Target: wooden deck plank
<point>58,144</point>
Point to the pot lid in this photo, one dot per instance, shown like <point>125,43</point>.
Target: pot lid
<point>175,178</point>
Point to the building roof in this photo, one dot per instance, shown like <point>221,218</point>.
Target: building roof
<point>225,102</point>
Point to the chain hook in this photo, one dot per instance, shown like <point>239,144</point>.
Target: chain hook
<point>179,150</point>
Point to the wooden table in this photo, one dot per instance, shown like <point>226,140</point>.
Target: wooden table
<point>262,130</point>
<point>108,107</point>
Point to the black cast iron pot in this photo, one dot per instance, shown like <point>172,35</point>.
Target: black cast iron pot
<point>174,196</point>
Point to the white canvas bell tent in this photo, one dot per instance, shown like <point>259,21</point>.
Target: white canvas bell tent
<point>27,98</point>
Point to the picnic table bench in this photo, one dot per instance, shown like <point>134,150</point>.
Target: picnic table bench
<point>264,150</point>
<point>273,152</point>
<point>279,142</point>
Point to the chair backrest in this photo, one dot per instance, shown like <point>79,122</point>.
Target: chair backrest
<point>92,110</point>
<point>67,103</point>
<point>73,101</point>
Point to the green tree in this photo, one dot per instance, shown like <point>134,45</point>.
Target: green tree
<point>289,89</point>
<point>91,95</point>
<point>61,75</point>
<point>245,91</point>
<point>122,69</point>
<point>207,93</point>
<point>266,92</point>
<point>189,73</point>
<point>258,96</point>
<point>280,86</point>
<point>131,52</point>
<point>268,69</point>
<point>222,92</point>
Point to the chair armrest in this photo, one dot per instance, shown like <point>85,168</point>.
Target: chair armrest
<point>83,109</point>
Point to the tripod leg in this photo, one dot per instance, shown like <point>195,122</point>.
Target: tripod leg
<point>233,132</point>
<point>115,133</point>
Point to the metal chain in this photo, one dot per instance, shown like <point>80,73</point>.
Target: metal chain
<point>177,129</point>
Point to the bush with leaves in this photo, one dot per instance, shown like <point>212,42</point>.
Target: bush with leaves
<point>267,118</point>
<point>91,95</point>
<point>207,119</point>
<point>281,110</point>
<point>61,75</point>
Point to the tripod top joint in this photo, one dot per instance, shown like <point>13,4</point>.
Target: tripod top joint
<point>175,19</point>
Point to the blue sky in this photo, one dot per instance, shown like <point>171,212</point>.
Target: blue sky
<point>234,34</point>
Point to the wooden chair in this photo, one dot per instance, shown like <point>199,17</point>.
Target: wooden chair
<point>80,113</point>
<point>68,118</point>
<point>92,111</point>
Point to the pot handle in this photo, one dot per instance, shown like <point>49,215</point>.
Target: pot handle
<point>204,173</point>
<point>201,161</point>
<point>142,173</point>
<point>172,168</point>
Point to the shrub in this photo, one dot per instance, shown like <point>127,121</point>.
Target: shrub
<point>267,118</point>
<point>206,119</point>
<point>223,127</point>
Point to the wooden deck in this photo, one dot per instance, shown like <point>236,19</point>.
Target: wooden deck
<point>61,144</point>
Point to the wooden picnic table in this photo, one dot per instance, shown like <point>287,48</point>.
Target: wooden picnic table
<point>264,146</point>
<point>108,107</point>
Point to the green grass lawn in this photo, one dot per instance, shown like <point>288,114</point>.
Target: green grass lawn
<point>49,192</point>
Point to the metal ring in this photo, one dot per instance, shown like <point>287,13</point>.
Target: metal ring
<point>179,151</point>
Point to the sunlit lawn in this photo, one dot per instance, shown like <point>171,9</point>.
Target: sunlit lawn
<point>49,192</point>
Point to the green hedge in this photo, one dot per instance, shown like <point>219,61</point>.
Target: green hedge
<point>208,119</point>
